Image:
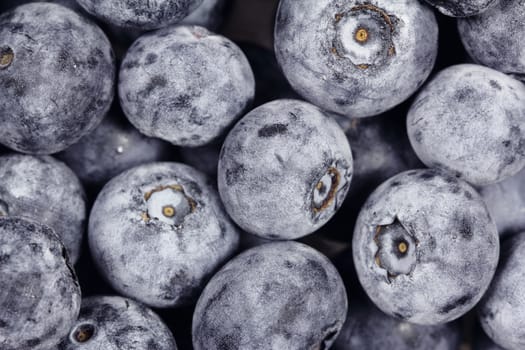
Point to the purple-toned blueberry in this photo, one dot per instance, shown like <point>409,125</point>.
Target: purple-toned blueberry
<point>282,295</point>
<point>425,247</point>
<point>116,323</point>
<point>462,8</point>
<point>39,293</point>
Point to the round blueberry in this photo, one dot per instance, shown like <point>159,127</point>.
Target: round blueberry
<point>39,294</point>
<point>282,295</point>
<point>47,191</point>
<point>353,58</point>
<point>56,73</point>
<point>113,323</point>
<point>158,231</point>
<point>209,14</point>
<point>470,121</point>
<point>284,170</point>
<point>425,248</point>
<point>462,8</point>
<point>184,84</point>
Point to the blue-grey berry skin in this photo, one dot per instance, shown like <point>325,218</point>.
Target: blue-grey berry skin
<point>368,328</point>
<point>284,170</point>
<point>425,247</point>
<point>8,4</point>
<point>51,97</point>
<point>470,121</point>
<point>39,294</point>
<point>117,323</point>
<point>496,37</point>
<point>462,8</point>
<point>209,14</point>
<point>353,58</point>
<point>144,15</point>
<point>184,84</point>
<point>282,295</point>
<point>44,190</point>
<point>502,309</point>
<point>158,231</point>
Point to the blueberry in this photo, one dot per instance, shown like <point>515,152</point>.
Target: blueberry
<point>462,8</point>
<point>425,247</point>
<point>112,322</point>
<point>348,57</point>
<point>209,14</point>
<point>158,231</point>
<point>281,295</point>
<point>8,4</point>
<point>40,295</point>
<point>56,77</point>
<point>470,120</point>
<point>47,191</point>
<point>495,38</point>
<point>284,170</point>
<point>184,84</point>
<point>140,14</point>
<point>368,328</point>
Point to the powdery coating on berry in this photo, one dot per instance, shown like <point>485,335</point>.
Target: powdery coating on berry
<point>7,4</point>
<point>209,14</point>
<point>46,191</point>
<point>456,247</point>
<point>284,170</point>
<point>40,295</point>
<point>115,323</point>
<point>353,58</point>
<point>184,84</point>
<point>368,328</point>
<point>495,38</point>
<point>462,8</point>
<point>158,263</point>
<point>276,296</point>
<point>59,84</point>
<point>140,14</point>
<point>470,121</point>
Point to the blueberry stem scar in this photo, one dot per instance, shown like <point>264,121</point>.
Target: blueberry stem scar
<point>6,57</point>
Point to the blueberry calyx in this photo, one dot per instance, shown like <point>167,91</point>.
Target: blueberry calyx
<point>83,333</point>
<point>168,204</point>
<point>6,57</point>
<point>328,188</point>
<point>4,209</point>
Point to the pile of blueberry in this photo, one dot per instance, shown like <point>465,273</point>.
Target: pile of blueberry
<point>166,187</point>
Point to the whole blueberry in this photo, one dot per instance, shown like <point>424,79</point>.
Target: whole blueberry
<point>158,231</point>
<point>462,8</point>
<point>56,73</point>
<point>368,328</point>
<point>425,248</point>
<point>39,294</point>
<point>348,57</point>
<point>184,84</point>
<point>495,38</point>
<point>502,310</point>
<point>140,14</point>
<point>209,14</point>
<point>115,323</point>
<point>44,190</point>
<point>284,170</point>
<point>470,121</point>
<point>282,295</point>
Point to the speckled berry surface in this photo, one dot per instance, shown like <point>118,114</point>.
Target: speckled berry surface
<point>40,295</point>
<point>495,38</point>
<point>209,14</point>
<point>470,121</point>
<point>8,4</point>
<point>44,190</point>
<point>284,170</point>
<point>462,8</point>
<point>116,323</point>
<point>281,295</point>
<point>353,58</point>
<point>158,231</point>
<point>56,72</point>
<point>184,84</point>
<point>425,247</point>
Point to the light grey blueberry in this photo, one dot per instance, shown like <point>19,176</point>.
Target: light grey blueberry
<point>425,247</point>
<point>356,58</point>
<point>57,75</point>
<point>44,190</point>
<point>158,231</point>
<point>39,293</point>
<point>462,8</point>
<point>116,323</point>
<point>284,170</point>
<point>368,328</point>
<point>496,38</point>
<point>470,121</point>
<point>209,14</point>
<point>184,84</point>
<point>282,295</point>
<point>502,309</point>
